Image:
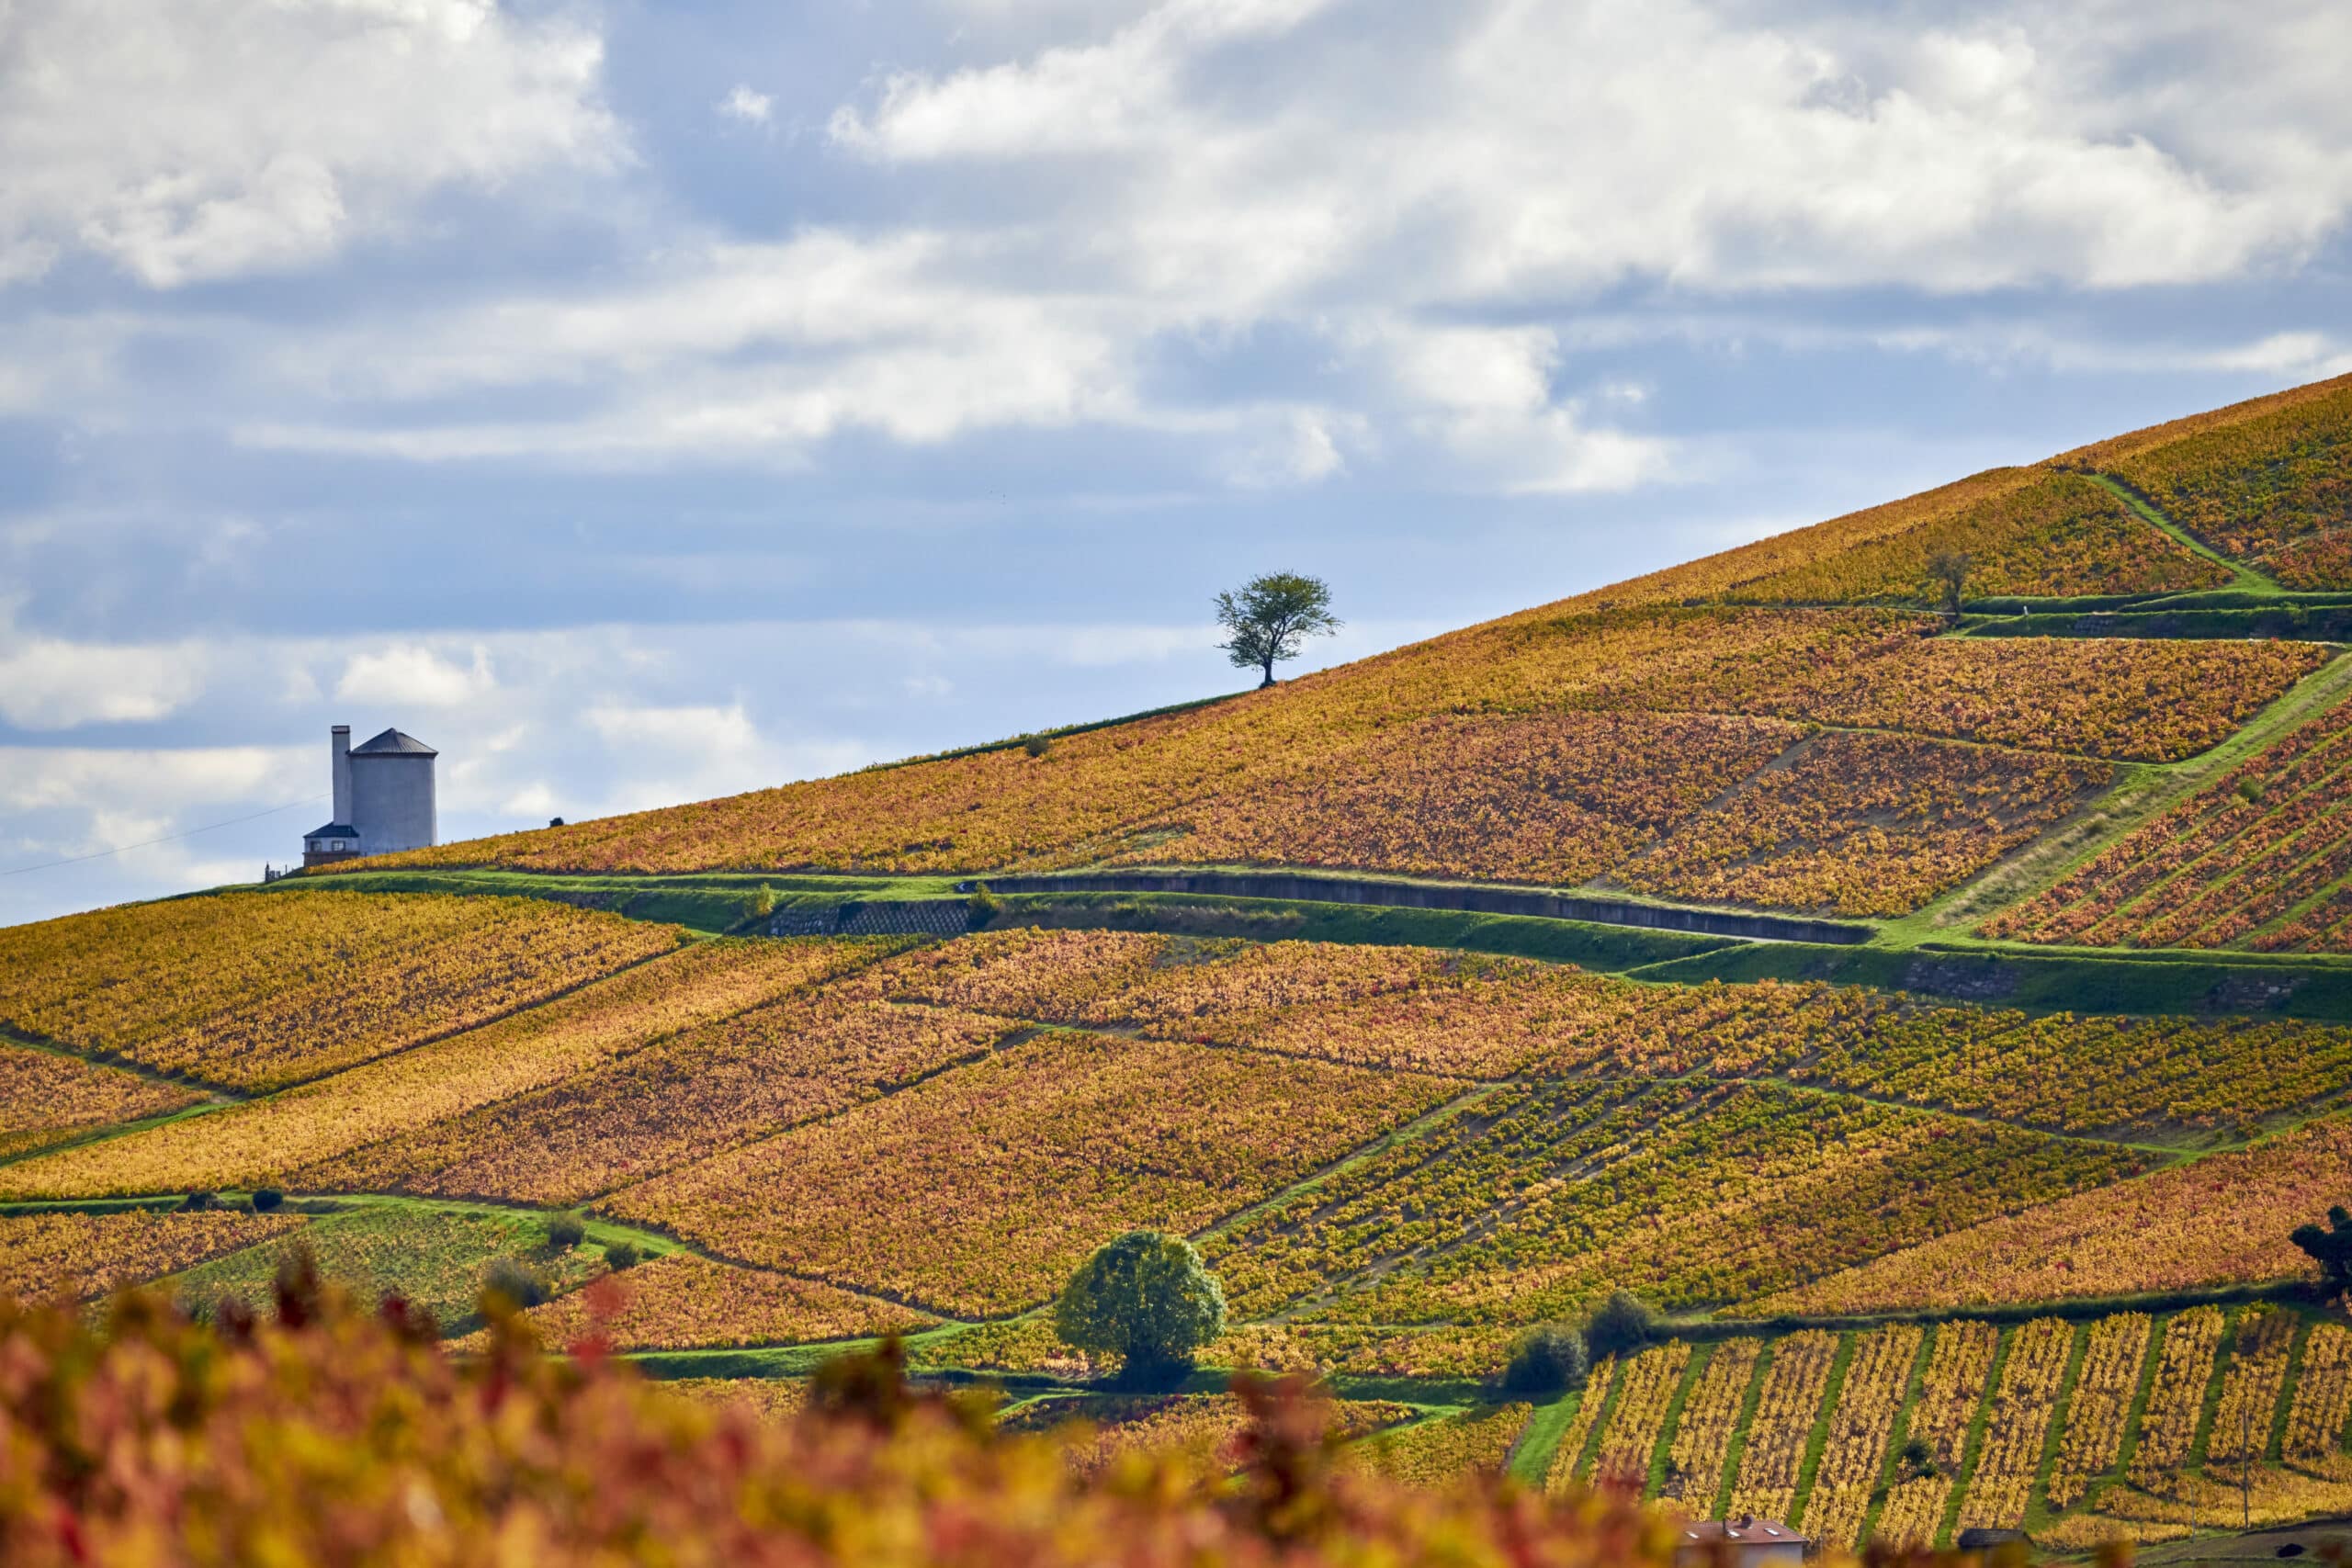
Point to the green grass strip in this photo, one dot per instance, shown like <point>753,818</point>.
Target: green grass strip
<point>1899,1433</point>
<point>1662,1451</point>
<point>1818,1438</point>
<point>1737,1448</point>
<point>1973,1448</point>
<point>2037,1497</point>
<point>1531,1457</point>
<point>2245,579</point>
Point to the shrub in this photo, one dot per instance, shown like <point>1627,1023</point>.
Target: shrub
<point>198,1200</point>
<point>761,904</point>
<point>1551,1358</point>
<point>622,1254</point>
<point>1620,1326</point>
<point>985,905</point>
<point>1146,1298</point>
<point>1037,745</point>
<point>566,1232</point>
<point>517,1283</point>
<point>267,1200</point>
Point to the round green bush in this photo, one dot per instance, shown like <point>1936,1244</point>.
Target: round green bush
<point>622,1254</point>
<point>1548,1359</point>
<point>1620,1326</point>
<point>566,1232</point>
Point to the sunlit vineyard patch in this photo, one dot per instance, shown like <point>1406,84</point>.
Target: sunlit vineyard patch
<point>1865,824</point>
<point>1550,797</point>
<point>2221,1220</point>
<point>1960,1366</point>
<point>980,1189</point>
<point>261,990</point>
<point>84,1255</point>
<point>2263,481</point>
<point>2026,531</point>
<point>1536,1198</point>
<point>47,1098</point>
<point>2260,859</point>
<point>1786,1409</point>
<point>1700,1445</point>
<point>310,1126</point>
<point>1854,1448</point>
<point>2148,701</point>
<point>699,1092</point>
<point>2113,1352</point>
<point>1644,1392</point>
<point>1447,1449</point>
<point>2017,1422</point>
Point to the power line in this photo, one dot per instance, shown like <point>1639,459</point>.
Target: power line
<point>168,838</point>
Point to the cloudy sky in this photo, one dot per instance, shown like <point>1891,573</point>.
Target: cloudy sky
<point>643,403</point>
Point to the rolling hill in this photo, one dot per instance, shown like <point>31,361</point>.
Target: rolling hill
<point>1942,1017</point>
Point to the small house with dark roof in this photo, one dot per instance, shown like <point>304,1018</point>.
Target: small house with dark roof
<point>1746,1542</point>
<point>383,798</point>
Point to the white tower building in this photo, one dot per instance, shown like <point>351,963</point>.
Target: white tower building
<point>383,798</point>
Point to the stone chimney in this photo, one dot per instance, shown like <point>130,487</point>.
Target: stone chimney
<point>339,746</point>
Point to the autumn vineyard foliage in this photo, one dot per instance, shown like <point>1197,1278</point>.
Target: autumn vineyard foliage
<point>1978,1218</point>
<point>2261,858</point>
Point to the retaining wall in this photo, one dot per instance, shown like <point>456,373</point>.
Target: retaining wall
<point>1427,895</point>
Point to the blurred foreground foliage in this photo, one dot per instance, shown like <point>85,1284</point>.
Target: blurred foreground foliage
<point>319,1433</point>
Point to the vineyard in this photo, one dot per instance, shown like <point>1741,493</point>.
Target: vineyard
<point>1975,1215</point>
<point>259,993</point>
<point>2263,480</point>
<point>2261,858</point>
<point>1575,749</point>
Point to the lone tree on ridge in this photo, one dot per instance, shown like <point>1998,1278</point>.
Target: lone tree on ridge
<point>1272,616</point>
<point>1948,575</point>
<point>1146,1297</point>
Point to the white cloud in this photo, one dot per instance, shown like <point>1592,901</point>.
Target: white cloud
<point>411,674</point>
<point>195,139</point>
<point>150,783</point>
<point>1544,147</point>
<point>743,104</point>
<point>51,684</point>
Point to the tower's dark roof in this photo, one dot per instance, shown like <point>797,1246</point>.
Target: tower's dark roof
<point>392,743</point>
<point>334,830</point>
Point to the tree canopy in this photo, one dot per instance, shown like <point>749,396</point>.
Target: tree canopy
<point>1146,1297</point>
<point>2330,1246</point>
<point>1269,619</point>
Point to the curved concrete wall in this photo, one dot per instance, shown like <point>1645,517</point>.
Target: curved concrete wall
<point>1426,896</point>
<point>392,802</point>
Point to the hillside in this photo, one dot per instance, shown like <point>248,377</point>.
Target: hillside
<point>1943,1018</point>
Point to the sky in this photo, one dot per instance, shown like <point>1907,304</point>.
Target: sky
<point>642,403</point>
